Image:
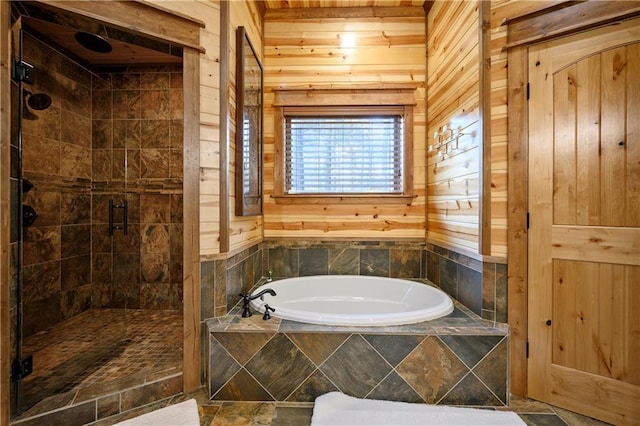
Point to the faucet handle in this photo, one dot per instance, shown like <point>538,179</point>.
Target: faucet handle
<point>267,315</point>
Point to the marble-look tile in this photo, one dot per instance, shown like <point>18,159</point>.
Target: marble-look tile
<point>155,208</point>
<point>313,262</point>
<point>40,281</point>
<point>374,262</point>
<point>74,416</point>
<point>102,163</point>
<point>155,134</point>
<point>155,104</point>
<point>221,365</point>
<point>74,97</point>
<point>249,414</point>
<point>176,163</point>
<point>40,154</point>
<point>292,416</point>
<point>126,81</point>
<point>108,406</point>
<point>41,244</point>
<point>102,134</point>
<point>394,388</point>
<point>242,387</point>
<point>491,370</point>
<point>542,420</point>
<point>126,268</point>
<point>471,391</point>
<point>177,133</point>
<point>41,314</point>
<point>76,129</point>
<point>372,368</point>
<point>161,296</point>
<point>176,103</point>
<point>283,262</point>
<point>129,243</point>
<point>318,346</point>
<point>471,349</point>
<point>243,346</point>
<point>75,161</point>
<point>154,80</point>
<point>404,263</point>
<point>151,392</point>
<point>75,240</point>
<point>394,348</point>
<point>317,384</point>
<point>75,301</point>
<point>126,104</point>
<point>280,367</point>
<point>449,277</point>
<point>501,292</point>
<point>154,163</point>
<point>470,288</point>
<point>101,104</point>
<point>75,272</point>
<point>75,208</point>
<point>344,261</point>
<point>432,369</point>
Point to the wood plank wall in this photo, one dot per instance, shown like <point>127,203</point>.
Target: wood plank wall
<point>209,12</point>
<point>243,231</point>
<point>304,51</point>
<point>453,101</point>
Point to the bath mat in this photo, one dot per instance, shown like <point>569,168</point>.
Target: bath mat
<point>181,414</point>
<point>338,409</point>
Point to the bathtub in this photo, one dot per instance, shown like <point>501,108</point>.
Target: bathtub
<point>353,300</point>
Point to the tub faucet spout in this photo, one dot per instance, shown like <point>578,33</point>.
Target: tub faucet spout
<point>246,298</point>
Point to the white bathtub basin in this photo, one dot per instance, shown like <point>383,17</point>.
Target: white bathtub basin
<point>354,300</point>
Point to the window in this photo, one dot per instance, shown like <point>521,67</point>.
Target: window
<point>352,153</point>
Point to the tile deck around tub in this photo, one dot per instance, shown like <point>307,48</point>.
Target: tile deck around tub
<point>459,359</point>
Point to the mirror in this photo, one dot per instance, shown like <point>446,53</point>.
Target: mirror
<point>248,128</point>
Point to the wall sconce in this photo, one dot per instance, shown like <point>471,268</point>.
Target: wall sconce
<point>445,143</point>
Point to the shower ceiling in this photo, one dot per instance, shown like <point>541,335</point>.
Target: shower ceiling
<point>59,29</point>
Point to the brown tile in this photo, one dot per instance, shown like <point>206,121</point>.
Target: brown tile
<point>154,267</point>
<point>242,346</point>
<point>75,97</point>
<point>102,164</point>
<point>75,301</point>
<point>46,123</point>
<point>40,281</point>
<point>493,369</point>
<point>222,366</point>
<point>152,392</point>
<point>471,349</point>
<point>126,81</point>
<point>471,391</point>
<point>76,161</point>
<point>317,384</point>
<point>155,208</point>
<point>108,406</point>
<point>176,165</point>
<point>280,367</point>
<point>154,163</point>
<point>176,80</point>
<point>176,104</point>
<point>75,272</point>
<point>73,416</point>
<point>242,387</point>
<point>102,104</point>
<point>432,369</point>
<point>75,240</point>
<point>394,388</point>
<point>46,204</point>
<point>76,129</point>
<point>318,346</point>
<point>404,263</point>
<point>102,134</point>
<point>40,155</point>
<point>154,81</point>
<point>126,104</point>
<point>177,134</point>
<point>155,104</point>
<point>42,244</point>
<point>356,381</point>
<point>161,296</point>
<point>235,414</point>
<point>155,133</point>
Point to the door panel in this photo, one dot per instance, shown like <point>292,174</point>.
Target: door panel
<point>584,238</point>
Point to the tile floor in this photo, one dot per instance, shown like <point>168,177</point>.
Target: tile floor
<point>212,413</point>
<point>100,347</point>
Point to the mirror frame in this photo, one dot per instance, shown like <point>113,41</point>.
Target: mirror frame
<point>248,146</point>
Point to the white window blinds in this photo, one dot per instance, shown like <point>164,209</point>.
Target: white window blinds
<point>354,152</point>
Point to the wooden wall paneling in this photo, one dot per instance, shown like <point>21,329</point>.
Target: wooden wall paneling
<point>242,231</point>
<point>143,17</point>
<point>225,124</point>
<point>632,138</point>
<point>306,53</point>
<point>5,194</point>
<point>371,10</point>
<point>484,66</point>
<point>191,224</point>
<point>517,205</point>
<point>572,18</point>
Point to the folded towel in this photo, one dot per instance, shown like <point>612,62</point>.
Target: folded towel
<point>336,408</point>
<point>181,414</point>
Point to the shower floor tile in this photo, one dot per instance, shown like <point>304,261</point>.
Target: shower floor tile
<point>93,351</point>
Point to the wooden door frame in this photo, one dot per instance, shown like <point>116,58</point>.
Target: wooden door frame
<point>159,23</point>
<point>523,31</point>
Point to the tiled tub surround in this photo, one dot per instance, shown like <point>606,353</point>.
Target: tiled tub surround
<point>481,286</point>
<point>456,360</point>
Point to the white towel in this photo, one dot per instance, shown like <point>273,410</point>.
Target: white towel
<point>338,409</point>
<point>181,414</point>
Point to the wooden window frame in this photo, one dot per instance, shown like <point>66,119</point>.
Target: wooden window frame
<point>328,102</point>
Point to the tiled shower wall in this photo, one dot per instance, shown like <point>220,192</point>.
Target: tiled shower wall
<point>74,153</point>
<point>137,134</point>
<point>481,286</point>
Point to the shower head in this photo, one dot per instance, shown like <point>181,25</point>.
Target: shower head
<point>93,42</point>
<point>37,101</point>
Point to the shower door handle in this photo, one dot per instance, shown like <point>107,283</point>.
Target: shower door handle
<point>125,214</point>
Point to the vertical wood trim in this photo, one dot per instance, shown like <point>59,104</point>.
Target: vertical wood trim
<point>427,7</point>
<point>484,43</point>
<point>191,218</point>
<point>5,191</point>
<point>517,266</point>
<point>225,134</point>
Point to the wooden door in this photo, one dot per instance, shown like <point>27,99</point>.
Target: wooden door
<point>584,235</point>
